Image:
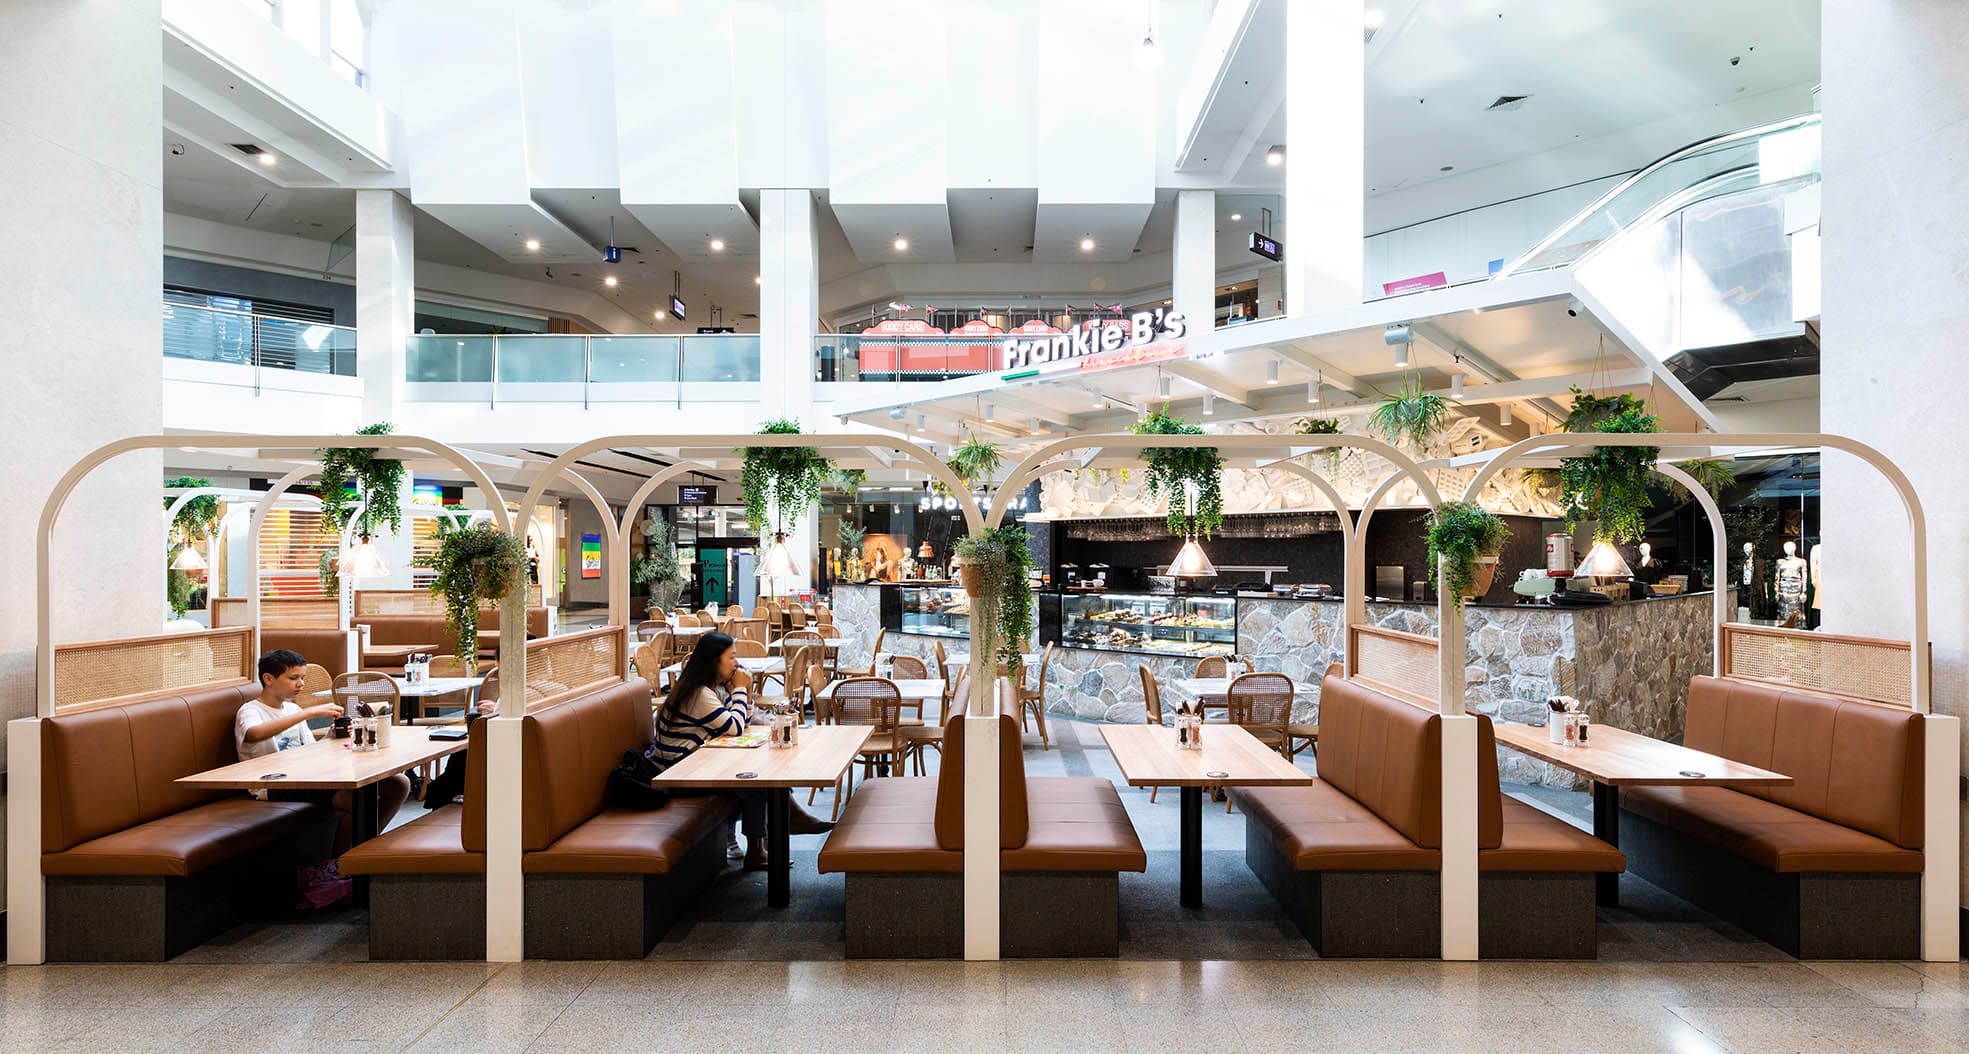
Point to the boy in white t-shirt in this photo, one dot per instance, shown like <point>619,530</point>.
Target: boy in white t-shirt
<point>275,721</point>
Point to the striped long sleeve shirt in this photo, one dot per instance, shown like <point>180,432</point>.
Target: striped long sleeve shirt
<point>681,730</point>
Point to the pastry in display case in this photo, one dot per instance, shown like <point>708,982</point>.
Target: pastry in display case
<point>1169,625</point>
<point>936,611</point>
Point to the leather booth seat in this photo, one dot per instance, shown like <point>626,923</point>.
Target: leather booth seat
<point>393,630</point>
<point>449,840</point>
<point>326,648</point>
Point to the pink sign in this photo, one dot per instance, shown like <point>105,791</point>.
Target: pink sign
<point>1416,284</point>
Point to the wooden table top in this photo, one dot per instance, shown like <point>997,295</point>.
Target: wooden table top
<point>918,691</point>
<point>752,666</point>
<point>396,651</point>
<point>825,751</point>
<point>1620,758</point>
<point>825,642</point>
<point>1148,757</point>
<point>329,764</point>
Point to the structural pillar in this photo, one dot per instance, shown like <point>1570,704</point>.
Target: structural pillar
<point>386,298</point>
<point>789,315</point>
<point>1893,222</point>
<point>1195,278</point>
<point>1325,141</point>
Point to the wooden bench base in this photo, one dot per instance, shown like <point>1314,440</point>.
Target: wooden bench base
<point>1811,916</point>
<point>427,917</point>
<point>615,916</point>
<point>1043,915</point>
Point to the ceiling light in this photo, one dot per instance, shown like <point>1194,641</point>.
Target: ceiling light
<point>1504,413</point>
<point>1236,216</point>
<point>1275,156</point>
<point>779,559</point>
<point>188,560</point>
<point>609,281</point>
<point>268,160</point>
<point>1312,392</point>
<point>922,420</point>
<point>1401,354</point>
<point>1209,403</point>
<point>1191,561</point>
<point>1456,386</point>
<point>1373,18</point>
<point>1271,372</point>
<point>717,245</point>
<point>1095,400</point>
<point>1148,57</point>
<point>661,315</point>
<point>533,245</point>
<point>758,279</point>
<point>1087,244</point>
<point>902,245</point>
<point>363,561</point>
<point>1162,386</point>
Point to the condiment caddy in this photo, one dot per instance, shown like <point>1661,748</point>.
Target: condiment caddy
<point>1567,723</point>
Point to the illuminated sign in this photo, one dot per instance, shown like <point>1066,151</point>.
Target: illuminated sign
<point>591,556</point>
<point>1136,331</point>
<point>1269,248</point>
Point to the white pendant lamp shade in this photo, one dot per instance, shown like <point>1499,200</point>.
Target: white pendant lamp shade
<point>1191,561</point>
<point>1603,561</point>
<point>779,559</point>
<point>188,559</point>
<point>364,560</point>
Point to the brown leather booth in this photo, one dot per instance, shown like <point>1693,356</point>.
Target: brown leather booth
<point>1827,867</point>
<point>1356,856</point>
<point>172,865</point>
<point>326,648</point>
<point>396,630</point>
<point>1063,843</point>
<point>601,882</point>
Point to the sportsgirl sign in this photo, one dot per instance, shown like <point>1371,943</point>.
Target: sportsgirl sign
<point>1138,330</point>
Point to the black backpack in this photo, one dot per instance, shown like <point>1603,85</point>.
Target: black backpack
<point>629,784</point>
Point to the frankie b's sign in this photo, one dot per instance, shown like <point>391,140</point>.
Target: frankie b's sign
<point>1138,330</point>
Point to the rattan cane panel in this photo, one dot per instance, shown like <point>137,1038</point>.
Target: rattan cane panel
<point>560,668</point>
<point>1401,664</point>
<point>280,612</point>
<point>111,672</point>
<point>417,601</point>
<point>1861,667</point>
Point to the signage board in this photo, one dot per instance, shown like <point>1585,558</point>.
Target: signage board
<point>1109,335</point>
<point>689,494</point>
<point>1416,284</point>
<point>676,307</point>
<point>591,556</point>
<point>1269,248</point>
<point>716,329</point>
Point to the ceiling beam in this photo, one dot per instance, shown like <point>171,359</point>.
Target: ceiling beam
<point>1330,375</point>
<point>1211,381</point>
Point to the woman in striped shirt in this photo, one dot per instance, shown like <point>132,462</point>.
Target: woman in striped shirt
<point>712,697</point>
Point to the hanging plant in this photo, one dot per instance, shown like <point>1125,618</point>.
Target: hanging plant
<point>377,480</point>
<point>975,462</point>
<point>1610,486</point>
<point>1466,532</point>
<point>658,568</point>
<point>195,521</point>
<point>997,572</point>
<point>474,566</point>
<point>780,482</point>
<point>1173,469</point>
<point>1322,426</point>
<point>1714,476</point>
<point>851,479</point>
<point>1409,414</point>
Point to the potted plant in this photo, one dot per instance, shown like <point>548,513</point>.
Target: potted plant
<point>975,462</point>
<point>996,568</point>
<point>1409,414</point>
<point>1610,485</point>
<point>194,522</point>
<point>1470,537</point>
<point>473,565</point>
<point>780,482</point>
<point>658,570</point>
<point>378,484</point>
<point>1321,426</point>
<point>850,479</point>
<point>1174,471</point>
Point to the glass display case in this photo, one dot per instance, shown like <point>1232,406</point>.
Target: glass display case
<point>1168,625</point>
<point>936,611</point>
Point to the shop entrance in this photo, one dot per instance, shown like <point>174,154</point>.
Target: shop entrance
<point>716,575</point>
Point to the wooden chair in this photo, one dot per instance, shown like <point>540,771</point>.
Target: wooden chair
<point>798,661</point>
<point>650,627</point>
<point>489,688</point>
<point>929,735</point>
<point>649,666</point>
<point>752,629</point>
<point>796,619</point>
<point>822,613</point>
<point>908,668</point>
<point>760,610</point>
<point>1262,703</point>
<point>873,654</point>
<point>1212,667</point>
<point>368,686</point>
<point>664,643</point>
<point>800,638</point>
<point>318,680</point>
<point>1034,700</point>
<point>870,701</point>
<point>1152,705</point>
<point>688,621</point>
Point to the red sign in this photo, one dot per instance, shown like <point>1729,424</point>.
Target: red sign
<point>913,327</point>
<point>1132,357</point>
<point>1035,327</point>
<point>1416,284</point>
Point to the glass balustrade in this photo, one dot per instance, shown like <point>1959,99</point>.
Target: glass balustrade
<point>540,365</point>
<point>207,334</point>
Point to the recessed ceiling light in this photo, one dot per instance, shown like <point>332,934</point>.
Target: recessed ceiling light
<point>1373,18</point>
<point>268,160</point>
<point>1236,216</point>
<point>1275,156</point>
<point>661,315</point>
<point>609,280</point>
<point>758,279</point>
<point>533,245</point>
<point>1087,244</point>
<point>902,245</point>
<point>1447,168</point>
<point>717,245</point>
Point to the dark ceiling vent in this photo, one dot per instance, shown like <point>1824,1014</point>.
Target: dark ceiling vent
<point>1508,102</point>
<point>249,149</point>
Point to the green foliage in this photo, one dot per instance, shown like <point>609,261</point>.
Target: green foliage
<point>197,518</point>
<point>178,585</point>
<point>379,480</point>
<point>1715,477</point>
<point>1171,468</point>
<point>1463,531</point>
<point>851,479</point>
<point>1610,486</point>
<point>473,565</point>
<point>659,568</point>
<point>849,535</point>
<point>1005,606</point>
<point>975,462</point>
<point>329,573</point>
<point>1322,426</point>
<point>781,482</point>
<point>1410,414</point>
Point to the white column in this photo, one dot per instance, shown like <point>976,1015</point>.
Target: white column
<point>82,205</point>
<point>386,298</point>
<point>1195,278</point>
<point>1325,152</point>
<point>1897,100</point>
<point>789,303</point>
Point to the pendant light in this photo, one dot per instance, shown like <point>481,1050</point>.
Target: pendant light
<point>363,560</point>
<point>1313,391</point>
<point>1504,413</point>
<point>1603,561</point>
<point>779,559</point>
<point>188,560</point>
<point>1191,561</point>
<point>1209,403</point>
<point>1271,372</point>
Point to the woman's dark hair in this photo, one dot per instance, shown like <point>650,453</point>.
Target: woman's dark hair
<point>700,670</point>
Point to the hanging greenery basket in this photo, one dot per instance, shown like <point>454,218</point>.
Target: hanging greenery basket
<point>1610,485</point>
<point>1173,469</point>
<point>377,480</point>
<point>474,566</point>
<point>997,573</point>
<point>1471,537</point>
<point>1410,415</point>
<point>975,462</point>
<point>1321,426</point>
<point>781,482</point>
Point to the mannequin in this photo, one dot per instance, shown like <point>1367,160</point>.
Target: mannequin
<point>1743,595</point>
<point>1818,584</point>
<point>1791,583</point>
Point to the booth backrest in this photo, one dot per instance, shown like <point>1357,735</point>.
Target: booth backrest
<point>570,748</point>
<point>326,648</point>
<point>1387,754</point>
<point>1013,820</point>
<point>1856,764</point>
<point>110,769</point>
<point>433,629</point>
<point>471,826</point>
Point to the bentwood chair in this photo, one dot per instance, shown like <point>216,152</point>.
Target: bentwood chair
<point>798,661</point>
<point>664,644</point>
<point>1033,700</point>
<point>1214,667</point>
<point>747,648</point>
<point>943,661</point>
<point>870,701</point>
<point>370,687</point>
<point>1151,705</point>
<point>928,735</point>
<point>687,621</point>
<point>752,629</point>
<point>1262,703</point>
<point>800,638</point>
<point>649,666</point>
<point>318,680</point>
<point>796,619</point>
<point>650,627</point>
<point>908,668</point>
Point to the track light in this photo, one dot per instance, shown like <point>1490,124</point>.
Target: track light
<point>990,412</point>
<point>1401,355</point>
<point>1095,400</point>
<point>1271,372</point>
<point>1162,385</point>
<point>1313,392</point>
<point>1574,308</point>
<point>1209,403</point>
<point>1456,386</point>
<point>1504,413</point>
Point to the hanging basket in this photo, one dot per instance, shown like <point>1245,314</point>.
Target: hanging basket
<point>1482,575</point>
<point>973,579</point>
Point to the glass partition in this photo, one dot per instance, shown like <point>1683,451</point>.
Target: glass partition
<point>209,334</point>
<point>441,359</point>
<point>581,359</point>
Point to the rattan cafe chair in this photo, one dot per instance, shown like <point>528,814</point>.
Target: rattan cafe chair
<point>1033,700</point>
<point>1151,705</point>
<point>871,701</point>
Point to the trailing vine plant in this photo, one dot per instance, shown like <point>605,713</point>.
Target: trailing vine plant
<point>1322,426</point>
<point>998,574</point>
<point>194,522</point>
<point>1172,470</point>
<point>781,482</point>
<point>1610,485</point>
<point>378,480</point>
<point>1409,414</point>
<point>975,462</point>
<point>851,479</point>
<point>1715,476</point>
<point>473,566</point>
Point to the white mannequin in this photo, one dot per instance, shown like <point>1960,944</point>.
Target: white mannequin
<point>1647,560</point>
<point>1818,585</point>
<point>1791,582</point>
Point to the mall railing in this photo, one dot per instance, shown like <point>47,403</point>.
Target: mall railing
<point>560,367</point>
<point>212,334</point>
